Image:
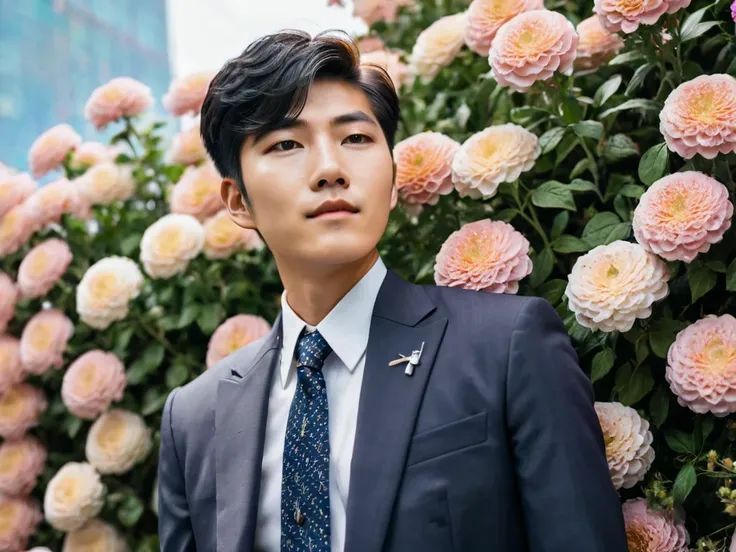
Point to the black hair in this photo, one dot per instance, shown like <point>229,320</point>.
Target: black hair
<point>269,82</point>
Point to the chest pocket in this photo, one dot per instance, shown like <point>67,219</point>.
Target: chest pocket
<point>449,438</point>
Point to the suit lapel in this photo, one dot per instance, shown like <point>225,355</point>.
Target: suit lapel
<point>389,404</point>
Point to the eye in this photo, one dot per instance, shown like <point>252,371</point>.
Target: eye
<point>285,145</point>
<point>358,139</point>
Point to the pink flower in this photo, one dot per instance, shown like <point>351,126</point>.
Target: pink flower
<point>198,192</point>
<point>532,47</point>
<point>438,45</point>
<point>699,116</point>
<point>49,150</point>
<point>43,266</point>
<point>627,15</point>
<point>485,17</point>
<point>8,298</point>
<point>16,227</point>
<point>11,369</point>
<point>682,215</point>
<point>121,97</point>
<point>90,154</point>
<point>234,333</point>
<point>58,198</point>
<point>424,167</point>
<point>596,45</point>
<point>187,94</point>
<point>92,383</point>
<point>44,341</point>
<point>649,530</point>
<point>21,462</point>
<point>390,62</point>
<point>373,11</point>
<point>187,147</point>
<point>485,255</point>
<point>224,238</point>
<point>19,518</point>
<point>15,188</point>
<point>733,16</point>
<point>20,409</point>
<point>369,44</point>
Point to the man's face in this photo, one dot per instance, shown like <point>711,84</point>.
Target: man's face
<point>335,152</point>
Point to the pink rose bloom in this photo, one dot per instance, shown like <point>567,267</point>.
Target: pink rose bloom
<point>373,11</point>
<point>649,530</point>
<point>21,462</point>
<point>21,407</point>
<point>187,94</point>
<point>121,97</point>
<point>58,198</point>
<point>198,192</point>
<point>224,238</point>
<point>90,154</point>
<point>49,150</point>
<point>390,62</point>
<point>20,517</point>
<point>733,16</point>
<point>8,298</point>
<point>92,383</point>
<point>369,44</point>
<point>626,15</point>
<point>43,267</point>
<point>16,227</point>
<point>11,369</point>
<point>44,341</point>
<point>484,255</point>
<point>234,333</point>
<point>14,189</point>
<point>187,147</point>
<point>485,17</point>
<point>596,44</point>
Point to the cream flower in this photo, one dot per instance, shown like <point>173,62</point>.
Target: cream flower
<point>485,255</point>
<point>16,227</point>
<point>649,530</point>
<point>89,154</point>
<point>21,463</point>
<point>73,496</point>
<point>97,536</point>
<point>58,198</point>
<point>8,298</point>
<point>49,150</point>
<point>682,215</point>
<point>224,238</point>
<point>43,267</point>
<point>187,147</point>
<point>391,63</point>
<point>234,333</point>
<point>92,383</point>
<point>627,15</point>
<point>106,183</point>
<point>596,45</point>
<point>699,117</point>
<point>424,167</point>
<point>106,289</point>
<point>170,243</point>
<point>15,188</point>
<point>438,45</point>
<point>613,285</point>
<point>701,366</point>
<point>19,518</point>
<point>485,17</point>
<point>117,441</point>
<point>44,341</point>
<point>11,368</point>
<point>198,192</point>
<point>497,154</point>
<point>186,95</point>
<point>121,97</point>
<point>532,47</point>
<point>20,408</point>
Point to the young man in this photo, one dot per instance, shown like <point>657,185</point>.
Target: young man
<point>312,439</point>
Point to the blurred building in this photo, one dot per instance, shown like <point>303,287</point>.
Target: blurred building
<point>54,53</point>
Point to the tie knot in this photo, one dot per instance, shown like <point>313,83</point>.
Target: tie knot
<point>312,349</point>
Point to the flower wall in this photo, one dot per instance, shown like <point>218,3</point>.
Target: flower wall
<point>581,153</point>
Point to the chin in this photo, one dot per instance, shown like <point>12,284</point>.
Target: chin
<point>341,249</point>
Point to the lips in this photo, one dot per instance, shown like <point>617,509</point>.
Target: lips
<point>333,206</point>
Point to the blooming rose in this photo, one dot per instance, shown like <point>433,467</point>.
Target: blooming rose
<point>58,198</point>
<point>95,535</point>
<point>224,238</point>
<point>438,45</point>
<point>8,298</point>
<point>682,215</point>
<point>73,496</point>
<point>497,154</point>
<point>44,341</point>
<point>485,17</point>
<point>596,44</point>
<point>187,147</point>
<point>234,333</point>
<point>11,368</point>
<point>187,94</point>
<point>650,530</point>
<point>117,441</point>
<point>121,97</point>
<point>15,188</point>
<point>107,183</point>
<point>627,15</point>
<point>19,517</point>
<point>92,383</point>
<point>371,43</point>
<point>424,167</point>
<point>613,285</point>
<point>699,116</point>
<point>43,267</point>
<point>733,16</point>
<point>391,63</point>
<point>20,408</point>
<point>170,243</point>
<point>21,463</point>
<point>49,150</point>
<point>373,11</point>
<point>198,192</point>
<point>532,47</point>
<point>106,289</point>
<point>90,154</point>
<point>16,227</point>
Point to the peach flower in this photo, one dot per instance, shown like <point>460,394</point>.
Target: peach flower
<point>198,192</point>
<point>11,368</point>
<point>497,154</point>
<point>43,267</point>
<point>58,198</point>
<point>170,243</point>
<point>92,383</point>
<point>424,167</point>
<point>596,45</point>
<point>95,535</point>
<point>117,441</point>
<point>531,47</point>
<point>391,63</point>
<point>187,147</point>
<point>21,463</point>
<point>19,518</point>
<point>438,45</point>
<point>699,117</point>
<point>234,333</point>
<point>650,530</point>
<point>682,215</point>
<point>627,15</point>
<point>371,43</point>
<point>187,94</point>
<point>485,17</point>
<point>49,150</point>
<point>44,341</point>
<point>16,227</point>
<point>121,97</point>
<point>106,183</point>
<point>8,297</point>
<point>613,285</point>
<point>485,255</point>
<point>90,154</point>
<point>73,496</point>
<point>701,366</point>
<point>373,11</point>
<point>106,289</point>
<point>20,408</point>
<point>224,238</point>
<point>15,188</point>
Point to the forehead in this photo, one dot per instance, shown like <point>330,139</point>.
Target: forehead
<point>328,99</point>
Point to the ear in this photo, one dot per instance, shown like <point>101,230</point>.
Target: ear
<point>234,202</point>
<point>394,190</point>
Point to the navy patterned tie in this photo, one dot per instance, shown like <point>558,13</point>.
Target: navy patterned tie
<point>305,488</point>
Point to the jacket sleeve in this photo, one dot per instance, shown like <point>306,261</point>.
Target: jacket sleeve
<point>174,525</point>
<point>569,501</point>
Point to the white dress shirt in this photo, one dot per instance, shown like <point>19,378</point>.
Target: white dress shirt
<point>346,330</point>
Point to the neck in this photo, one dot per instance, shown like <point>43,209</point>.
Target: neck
<point>312,292</point>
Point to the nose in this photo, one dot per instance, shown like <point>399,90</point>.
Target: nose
<point>329,169</point>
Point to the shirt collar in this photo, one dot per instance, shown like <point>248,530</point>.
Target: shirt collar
<point>345,328</point>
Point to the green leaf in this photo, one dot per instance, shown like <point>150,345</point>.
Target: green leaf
<point>177,374</point>
<point>153,401</point>
<point>605,228</point>
<point>210,317</point>
<point>679,441</point>
<point>506,215</point>
<point>633,191</point>
<point>572,111</point>
<point>641,349</point>
<point>589,129</point>
<point>645,105</point>
<point>188,315</point>
<point>626,57</point>
<point>632,385</point>
<point>617,147</point>
<point>550,139</point>
<point>653,164</point>
<point>122,340</point>
<point>659,405</point>
<point>701,280</point>
<point>580,185</point>
<point>602,364</point>
<point>129,244</point>
<point>150,360</point>
<point>583,165</point>
<point>606,90</point>
<point>72,426</point>
<point>553,195</point>
<point>130,511</point>
<point>684,483</point>
<point>662,334</point>
<point>638,78</point>
<point>731,276</point>
<point>716,266</point>
<point>700,29</point>
<point>569,244</point>
<point>543,264</point>
<point>559,224</point>
<point>552,290</point>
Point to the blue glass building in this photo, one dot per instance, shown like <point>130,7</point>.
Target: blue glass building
<point>54,53</point>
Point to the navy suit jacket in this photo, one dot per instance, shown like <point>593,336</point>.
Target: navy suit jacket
<point>492,445</point>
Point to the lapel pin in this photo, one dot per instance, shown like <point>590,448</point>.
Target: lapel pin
<point>412,360</point>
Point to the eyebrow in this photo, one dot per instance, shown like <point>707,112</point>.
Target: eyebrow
<point>287,123</point>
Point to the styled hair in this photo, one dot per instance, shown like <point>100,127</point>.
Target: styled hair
<point>268,84</point>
